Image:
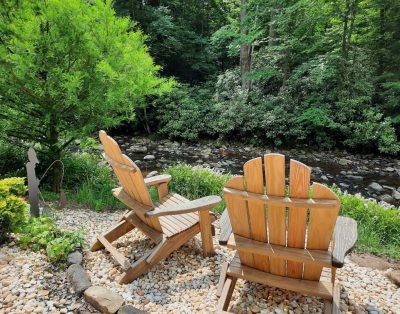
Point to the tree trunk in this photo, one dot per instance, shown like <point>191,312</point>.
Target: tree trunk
<point>245,49</point>
<point>55,154</point>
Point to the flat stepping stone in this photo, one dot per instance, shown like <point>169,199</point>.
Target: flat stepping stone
<point>103,300</point>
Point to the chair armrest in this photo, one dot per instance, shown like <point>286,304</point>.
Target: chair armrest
<point>344,239</point>
<point>156,180</point>
<point>201,204</point>
<point>226,228</point>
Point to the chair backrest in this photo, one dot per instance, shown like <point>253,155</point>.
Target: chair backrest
<point>259,210</point>
<point>129,176</point>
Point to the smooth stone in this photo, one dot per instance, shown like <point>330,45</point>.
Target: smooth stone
<point>129,309</point>
<point>396,195</point>
<point>141,149</point>
<point>152,174</point>
<point>394,276</point>
<point>104,300</point>
<point>355,178</point>
<point>386,198</point>
<point>375,187</point>
<point>149,157</point>
<point>78,278</point>
<point>343,162</point>
<point>75,258</point>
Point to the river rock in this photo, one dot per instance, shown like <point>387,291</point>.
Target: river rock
<point>75,258</point>
<point>138,149</point>
<point>129,309</point>
<point>386,198</point>
<point>78,278</point>
<point>375,187</point>
<point>344,162</point>
<point>396,195</point>
<point>149,157</point>
<point>394,276</point>
<point>355,178</point>
<point>152,174</point>
<point>104,300</point>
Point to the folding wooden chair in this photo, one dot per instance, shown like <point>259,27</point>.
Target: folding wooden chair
<point>283,241</point>
<point>170,223</point>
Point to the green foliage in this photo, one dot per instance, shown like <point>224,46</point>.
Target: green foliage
<point>378,226</point>
<point>68,68</point>
<point>13,208</point>
<point>89,181</point>
<point>43,233</point>
<point>12,160</point>
<point>194,182</point>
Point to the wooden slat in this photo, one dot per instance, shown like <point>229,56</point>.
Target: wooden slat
<point>315,257</point>
<point>253,173</point>
<point>299,183</point>
<point>238,215</point>
<point>132,182</point>
<point>118,165</point>
<point>321,226</point>
<point>125,198</point>
<point>206,233</point>
<point>122,260</point>
<point>162,178</point>
<point>344,239</point>
<point>282,201</point>
<point>153,234</point>
<point>226,294</point>
<point>275,184</point>
<point>222,278</point>
<point>225,227</point>
<point>204,203</point>
<point>114,233</point>
<point>320,289</point>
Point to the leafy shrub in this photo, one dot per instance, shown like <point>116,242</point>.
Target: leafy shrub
<point>89,181</point>
<point>13,208</point>
<point>43,233</point>
<point>378,226</point>
<point>12,160</point>
<point>195,182</point>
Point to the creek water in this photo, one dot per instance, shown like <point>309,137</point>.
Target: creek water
<point>351,172</point>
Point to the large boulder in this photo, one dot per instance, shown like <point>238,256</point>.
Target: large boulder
<point>78,278</point>
<point>104,300</point>
<point>394,276</point>
<point>374,186</point>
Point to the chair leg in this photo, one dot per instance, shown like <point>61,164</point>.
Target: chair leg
<point>333,306</point>
<point>222,278</point>
<point>226,295</point>
<point>159,252</point>
<point>114,233</point>
<point>206,233</point>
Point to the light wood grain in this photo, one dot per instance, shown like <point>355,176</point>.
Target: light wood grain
<point>253,173</point>
<point>282,201</point>
<point>274,165</point>
<point>321,226</point>
<point>238,215</point>
<point>314,257</point>
<point>320,289</point>
<point>299,184</point>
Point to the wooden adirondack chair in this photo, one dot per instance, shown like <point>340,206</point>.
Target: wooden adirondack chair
<point>283,241</point>
<point>170,223</point>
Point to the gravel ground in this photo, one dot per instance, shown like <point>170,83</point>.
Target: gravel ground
<point>184,283</point>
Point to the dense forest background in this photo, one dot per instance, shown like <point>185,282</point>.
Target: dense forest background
<point>307,72</point>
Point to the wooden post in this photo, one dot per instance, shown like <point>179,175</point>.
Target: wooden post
<point>206,233</point>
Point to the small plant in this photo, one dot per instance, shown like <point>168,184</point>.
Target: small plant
<point>43,233</point>
<point>13,208</point>
<point>195,182</point>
